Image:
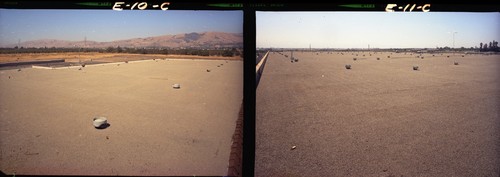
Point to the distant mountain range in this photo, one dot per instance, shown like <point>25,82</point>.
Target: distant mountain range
<point>186,40</point>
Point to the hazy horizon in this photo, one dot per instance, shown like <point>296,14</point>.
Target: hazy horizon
<point>378,29</point>
<point>110,25</point>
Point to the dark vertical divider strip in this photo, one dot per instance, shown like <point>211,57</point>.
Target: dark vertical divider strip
<point>249,86</point>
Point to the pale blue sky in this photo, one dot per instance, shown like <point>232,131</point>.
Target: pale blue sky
<point>108,25</point>
<point>378,29</point>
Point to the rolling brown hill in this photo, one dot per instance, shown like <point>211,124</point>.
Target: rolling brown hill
<point>186,40</point>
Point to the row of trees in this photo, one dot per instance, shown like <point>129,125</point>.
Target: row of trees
<point>454,49</point>
<point>493,46</point>
<point>226,52</point>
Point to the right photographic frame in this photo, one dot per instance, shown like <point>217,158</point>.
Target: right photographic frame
<point>378,92</point>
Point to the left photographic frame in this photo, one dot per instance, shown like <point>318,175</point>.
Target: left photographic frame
<point>88,90</point>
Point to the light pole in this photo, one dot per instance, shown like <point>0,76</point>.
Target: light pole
<point>454,39</point>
